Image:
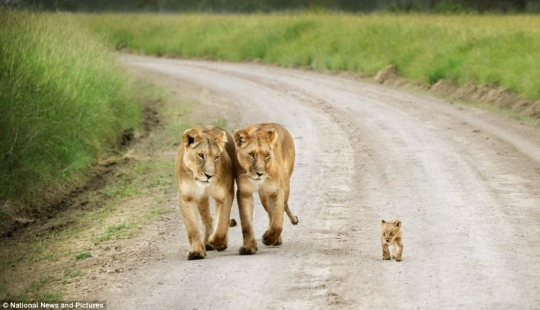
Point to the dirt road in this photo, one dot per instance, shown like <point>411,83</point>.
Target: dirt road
<point>464,182</point>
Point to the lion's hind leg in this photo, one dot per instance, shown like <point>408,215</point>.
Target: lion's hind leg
<point>206,218</point>
<point>219,238</point>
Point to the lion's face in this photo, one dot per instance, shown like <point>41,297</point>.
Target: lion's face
<point>202,154</point>
<point>390,230</point>
<point>255,153</point>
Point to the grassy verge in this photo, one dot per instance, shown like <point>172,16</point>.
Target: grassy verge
<point>477,49</point>
<point>111,229</point>
<point>64,103</point>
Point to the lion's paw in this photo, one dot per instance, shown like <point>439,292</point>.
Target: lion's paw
<point>195,255</point>
<point>270,238</point>
<point>247,250</point>
<point>221,247</point>
<point>218,243</point>
<point>208,247</point>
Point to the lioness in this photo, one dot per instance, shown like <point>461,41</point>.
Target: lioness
<point>265,157</point>
<point>391,235</point>
<point>205,165</point>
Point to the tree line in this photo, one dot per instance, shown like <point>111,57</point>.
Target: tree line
<point>247,6</point>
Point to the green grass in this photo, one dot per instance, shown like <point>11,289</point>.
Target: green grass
<point>479,49</point>
<point>119,231</point>
<point>83,255</point>
<point>64,103</point>
<point>40,291</point>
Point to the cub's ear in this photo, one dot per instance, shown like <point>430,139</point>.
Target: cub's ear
<point>272,135</point>
<point>398,224</point>
<point>221,140</point>
<point>241,137</point>
<point>191,138</point>
<point>383,221</point>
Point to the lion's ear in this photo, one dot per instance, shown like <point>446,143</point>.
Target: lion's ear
<point>272,135</point>
<point>241,137</point>
<point>383,221</point>
<point>191,138</point>
<point>221,140</point>
<point>398,224</point>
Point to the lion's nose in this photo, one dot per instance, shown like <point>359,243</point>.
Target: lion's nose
<point>259,174</point>
<point>208,175</point>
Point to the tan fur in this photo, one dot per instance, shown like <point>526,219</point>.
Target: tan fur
<point>205,165</point>
<point>265,155</point>
<point>391,235</point>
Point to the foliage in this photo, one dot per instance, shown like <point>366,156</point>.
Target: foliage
<point>64,102</point>
<point>499,50</point>
<point>250,6</point>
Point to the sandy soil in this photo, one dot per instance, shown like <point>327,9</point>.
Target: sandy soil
<point>465,184</point>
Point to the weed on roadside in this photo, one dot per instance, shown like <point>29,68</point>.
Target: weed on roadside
<point>83,255</point>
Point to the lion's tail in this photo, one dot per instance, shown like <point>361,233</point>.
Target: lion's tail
<point>292,217</point>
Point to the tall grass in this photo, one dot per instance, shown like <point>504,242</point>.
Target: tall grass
<point>479,49</point>
<point>64,102</point>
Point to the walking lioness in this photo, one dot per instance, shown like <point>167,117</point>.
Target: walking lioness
<point>205,165</point>
<point>265,156</point>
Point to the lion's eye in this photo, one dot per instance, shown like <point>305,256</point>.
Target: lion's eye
<point>252,155</point>
<point>267,155</point>
<point>201,155</point>
<point>391,234</point>
<point>217,157</point>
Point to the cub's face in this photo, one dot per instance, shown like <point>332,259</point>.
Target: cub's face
<point>390,230</point>
<point>202,154</point>
<point>255,153</point>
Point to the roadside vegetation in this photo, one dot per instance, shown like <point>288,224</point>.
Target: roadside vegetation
<point>499,50</point>
<point>104,232</point>
<point>64,103</point>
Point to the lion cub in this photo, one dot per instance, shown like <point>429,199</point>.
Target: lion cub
<point>391,235</point>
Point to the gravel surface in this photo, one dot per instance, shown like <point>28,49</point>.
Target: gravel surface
<point>465,183</point>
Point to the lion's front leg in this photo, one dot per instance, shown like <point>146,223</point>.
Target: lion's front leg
<point>206,217</point>
<point>245,206</point>
<point>264,202</point>
<point>218,240</point>
<point>276,206</point>
<point>197,250</point>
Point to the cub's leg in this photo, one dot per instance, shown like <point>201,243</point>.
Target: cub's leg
<point>399,250</point>
<point>386,252</point>
<point>206,217</point>
<point>245,208</point>
<point>197,250</point>
<point>276,208</point>
<point>218,240</point>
